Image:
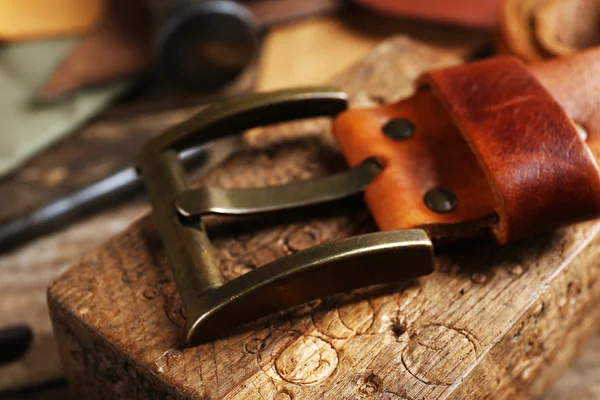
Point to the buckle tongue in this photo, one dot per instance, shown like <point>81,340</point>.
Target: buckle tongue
<point>212,306</point>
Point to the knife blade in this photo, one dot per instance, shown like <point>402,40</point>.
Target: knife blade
<point>102,194</point>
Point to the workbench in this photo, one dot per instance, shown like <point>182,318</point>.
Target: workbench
<point>293,55</point>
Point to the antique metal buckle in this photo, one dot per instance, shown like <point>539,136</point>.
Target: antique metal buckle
<point>213,306</point>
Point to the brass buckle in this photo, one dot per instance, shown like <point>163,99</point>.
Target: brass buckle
<point>213,306</point>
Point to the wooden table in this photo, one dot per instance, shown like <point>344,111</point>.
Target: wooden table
<point>293,55</point>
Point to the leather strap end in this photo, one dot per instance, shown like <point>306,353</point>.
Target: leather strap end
<point>493,135</point>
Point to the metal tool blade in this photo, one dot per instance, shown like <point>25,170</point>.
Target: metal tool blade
<point>103,194</point>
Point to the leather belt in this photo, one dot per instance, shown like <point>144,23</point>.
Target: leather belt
<point>492,134</point>
<point>487,146</point>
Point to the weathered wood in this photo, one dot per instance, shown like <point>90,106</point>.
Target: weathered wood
<point>491,322</point>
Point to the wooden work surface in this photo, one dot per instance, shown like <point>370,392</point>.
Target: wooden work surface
<point>491,322</point>
<point>105,146</point>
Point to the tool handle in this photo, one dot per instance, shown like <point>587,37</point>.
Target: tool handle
<point>202,44</point>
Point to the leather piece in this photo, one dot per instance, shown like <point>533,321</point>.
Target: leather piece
<point>471,13</point>
<point>540,174</point>
<point>537,29</point>
<point>414,166</point>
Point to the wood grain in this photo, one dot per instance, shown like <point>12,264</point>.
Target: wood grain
<point>491,322</point>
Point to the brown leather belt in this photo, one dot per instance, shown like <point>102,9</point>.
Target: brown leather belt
<point>473,13</point>
<point>499,136</point>
<point>487,146</point>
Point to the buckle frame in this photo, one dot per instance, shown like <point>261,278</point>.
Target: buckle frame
<point>213,306</point>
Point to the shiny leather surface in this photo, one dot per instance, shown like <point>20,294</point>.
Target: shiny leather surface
<point>500,136</point>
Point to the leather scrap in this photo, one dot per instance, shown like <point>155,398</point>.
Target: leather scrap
<point>470,13</point>
<point>537,29</point>
<point>117,47</point>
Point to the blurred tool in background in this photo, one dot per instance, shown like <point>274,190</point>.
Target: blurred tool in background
<point>197,45</point>
<point>204,44</point>
<point>107,192</point>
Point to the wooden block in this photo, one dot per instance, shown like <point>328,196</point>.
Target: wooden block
<point>491,322</point>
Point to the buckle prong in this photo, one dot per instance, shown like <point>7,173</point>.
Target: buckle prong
<point>194,203</point>
<point>212,306</point>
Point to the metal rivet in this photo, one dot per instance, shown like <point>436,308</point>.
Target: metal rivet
<point>441,200</point>
<point>399,129</point>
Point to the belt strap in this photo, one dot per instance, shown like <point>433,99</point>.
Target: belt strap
<point>492,135</point>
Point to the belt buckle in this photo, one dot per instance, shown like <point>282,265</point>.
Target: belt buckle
<point>214,306</point>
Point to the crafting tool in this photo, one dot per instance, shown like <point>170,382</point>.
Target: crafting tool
<point>107,192</point>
